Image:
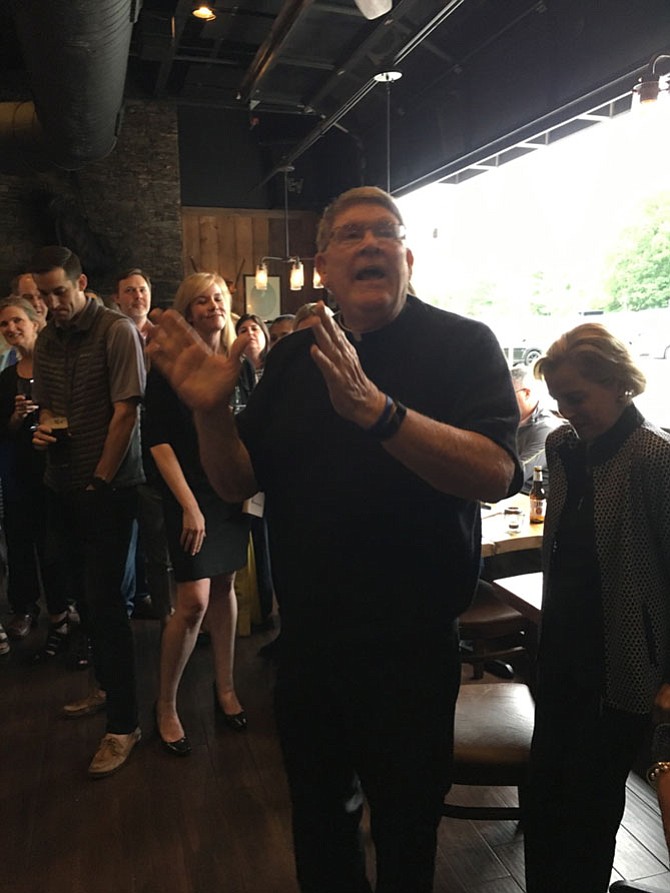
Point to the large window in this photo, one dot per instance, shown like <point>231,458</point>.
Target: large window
<point>579,227</point>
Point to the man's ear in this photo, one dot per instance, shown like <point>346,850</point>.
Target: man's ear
<point>115,299</point>
<point>82,282</point>
<point>320,266</point>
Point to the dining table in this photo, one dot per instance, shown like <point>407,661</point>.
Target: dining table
<point>497,538</point>
<point>523,592</point>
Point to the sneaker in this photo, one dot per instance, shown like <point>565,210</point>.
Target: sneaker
<point>93,703</point>
<point>113,752</point>
<point>4,642</point>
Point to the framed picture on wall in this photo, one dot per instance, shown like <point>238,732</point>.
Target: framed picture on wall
<point>266,304</point>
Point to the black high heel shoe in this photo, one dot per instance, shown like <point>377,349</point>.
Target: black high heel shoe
<point>237,722</point>
<point>179,748</point>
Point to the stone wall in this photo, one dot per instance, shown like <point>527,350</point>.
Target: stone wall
<point>119,212</point>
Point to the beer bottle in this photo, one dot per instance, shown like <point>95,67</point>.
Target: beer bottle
<point>538,497</point>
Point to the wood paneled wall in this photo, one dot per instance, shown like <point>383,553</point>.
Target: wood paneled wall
<point>231,242</point>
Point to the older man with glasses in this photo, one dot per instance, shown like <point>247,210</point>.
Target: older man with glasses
<point>373,435</point>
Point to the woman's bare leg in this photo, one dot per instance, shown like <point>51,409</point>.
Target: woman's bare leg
<point>177,643</point>
<point>222,626</point>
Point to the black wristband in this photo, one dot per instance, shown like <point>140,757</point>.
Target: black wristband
<point>99,483</point>
<point>386,428</point>
<point>386,413</point>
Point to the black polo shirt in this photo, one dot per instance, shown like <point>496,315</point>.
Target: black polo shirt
<point>363,548</point>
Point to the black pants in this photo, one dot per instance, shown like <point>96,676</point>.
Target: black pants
<point>580,759</point>
<point>25,532</point>
<point>88,536</point>
<point>378,721</point>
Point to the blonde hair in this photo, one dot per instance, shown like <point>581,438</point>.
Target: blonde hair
<point>597,355</point>
<point>193,286</point>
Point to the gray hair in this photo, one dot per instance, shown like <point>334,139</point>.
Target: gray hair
<point>371,195</point>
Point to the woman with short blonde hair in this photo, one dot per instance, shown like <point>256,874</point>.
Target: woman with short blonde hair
<point>599,356</point>
<point>604,654</point>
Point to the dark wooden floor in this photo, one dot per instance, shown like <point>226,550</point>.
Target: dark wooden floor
<point>217,822</point>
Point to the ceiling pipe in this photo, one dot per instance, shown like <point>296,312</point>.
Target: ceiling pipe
<point>269,50</point>
<point>352,101</point>
<point>76,59</point>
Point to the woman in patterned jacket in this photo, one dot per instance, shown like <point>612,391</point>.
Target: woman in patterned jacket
<point>603,662</point>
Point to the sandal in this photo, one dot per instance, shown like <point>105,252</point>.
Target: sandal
<point>55,644</point>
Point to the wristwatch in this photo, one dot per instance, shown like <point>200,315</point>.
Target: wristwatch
<point>655,771</point>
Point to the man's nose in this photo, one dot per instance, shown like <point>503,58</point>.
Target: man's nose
<point>369,242</point>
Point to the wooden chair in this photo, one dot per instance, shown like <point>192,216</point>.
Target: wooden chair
<point>492,733</point>
<point>491,631</point>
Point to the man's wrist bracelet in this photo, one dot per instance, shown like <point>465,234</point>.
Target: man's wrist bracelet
<point>383,418</point>
<point>655,771</point>
<point>389,421</point>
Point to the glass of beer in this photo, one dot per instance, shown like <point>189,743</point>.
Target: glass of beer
<point>514,518</point>
<point>59,452</point>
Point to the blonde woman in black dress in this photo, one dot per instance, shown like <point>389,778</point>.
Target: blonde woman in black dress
<point>206,536</point>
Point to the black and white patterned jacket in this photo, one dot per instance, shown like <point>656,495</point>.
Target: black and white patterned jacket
<point>631,493</point>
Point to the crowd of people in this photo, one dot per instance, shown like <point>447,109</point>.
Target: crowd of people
<point>71,414</point>
<point>373,437</point>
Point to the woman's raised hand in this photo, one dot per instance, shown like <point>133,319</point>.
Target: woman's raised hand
<point>202,379</point>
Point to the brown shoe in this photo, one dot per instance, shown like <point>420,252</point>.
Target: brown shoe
<point>20,625</point>
<point>93,703</point>
<point>113,752</point>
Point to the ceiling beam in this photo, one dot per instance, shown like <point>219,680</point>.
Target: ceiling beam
<point>178,23</point>
<point>269,51</point>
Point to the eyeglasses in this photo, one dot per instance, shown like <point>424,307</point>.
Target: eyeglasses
<point>351,233</point>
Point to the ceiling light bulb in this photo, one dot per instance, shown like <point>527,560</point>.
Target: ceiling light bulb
<point>387,77</point>
<point>316,279</point>
<point>297,279</point>
<point>261,282</point>
<point>204,12</point>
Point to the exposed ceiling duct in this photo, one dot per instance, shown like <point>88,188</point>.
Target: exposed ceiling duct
<point>76,54</point>
<point>475,73</point>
